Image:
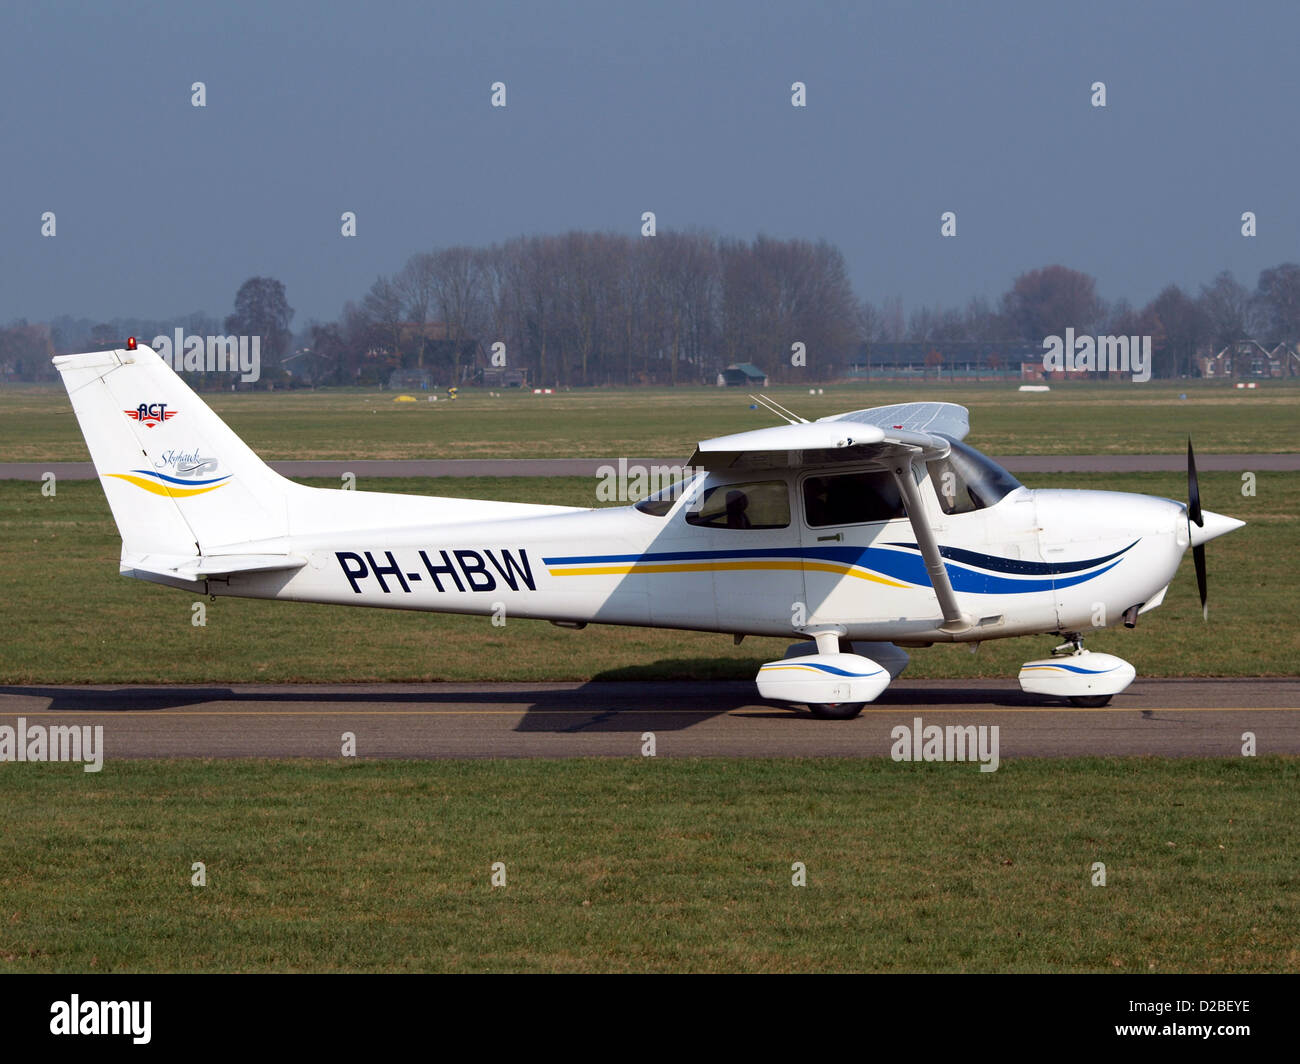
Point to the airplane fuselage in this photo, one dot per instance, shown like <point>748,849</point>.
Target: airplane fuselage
<point>1036,561</point>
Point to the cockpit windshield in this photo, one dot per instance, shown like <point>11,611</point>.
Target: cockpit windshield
<point>967,480</point>
<point>658,504</point>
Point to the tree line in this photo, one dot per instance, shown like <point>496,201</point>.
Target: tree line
<point>598,309</point>
<point>1047,301</point>
<point>592,308</point>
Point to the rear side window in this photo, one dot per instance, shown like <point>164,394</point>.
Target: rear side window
<point>761,504</point>
<point>851,499</point>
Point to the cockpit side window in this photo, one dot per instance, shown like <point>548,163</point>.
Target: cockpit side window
<point>966,480</point>
<point>761,504</point>
<point>851,499</point>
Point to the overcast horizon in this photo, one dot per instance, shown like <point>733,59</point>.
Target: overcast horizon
<point>166,208</point>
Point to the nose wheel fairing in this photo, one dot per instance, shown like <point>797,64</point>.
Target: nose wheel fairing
<point>1085,678</point>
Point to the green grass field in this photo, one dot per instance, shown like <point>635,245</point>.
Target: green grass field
<point>37,424</point>
<point>651,865</point>
<point>637,865</point>
<point>68,617</point>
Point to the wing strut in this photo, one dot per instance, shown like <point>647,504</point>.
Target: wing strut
<point>954,620</point>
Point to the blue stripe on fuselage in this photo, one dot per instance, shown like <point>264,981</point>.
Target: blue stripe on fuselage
<point>1015,565</point>
<point>899,564</point>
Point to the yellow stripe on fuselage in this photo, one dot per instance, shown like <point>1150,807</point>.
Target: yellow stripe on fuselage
<point>165,490</point>
<point>708,567</point>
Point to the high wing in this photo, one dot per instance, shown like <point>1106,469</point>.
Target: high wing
<point>881,433</point>
<point>890,436</point>
<point>948,418</point>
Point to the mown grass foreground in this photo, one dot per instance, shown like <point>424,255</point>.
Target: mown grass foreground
<point>651,865</point>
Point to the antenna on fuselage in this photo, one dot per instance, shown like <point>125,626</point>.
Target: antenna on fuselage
<point>772,406</point>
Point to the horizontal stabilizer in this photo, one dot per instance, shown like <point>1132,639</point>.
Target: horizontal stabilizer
<point>193,569</point>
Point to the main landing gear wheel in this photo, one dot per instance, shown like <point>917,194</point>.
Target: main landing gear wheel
<point>836,710</point>
<point>1089,701</point>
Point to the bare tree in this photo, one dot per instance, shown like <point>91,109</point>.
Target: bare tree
<point>981,323</point>
<point>459,287</point>
<point>1226,306</point>
<point>644,317</point>
<point>870,322</point>
<point>746,305</point>
<point>417,289</point>
<point>262,309</point>
<point>531,262</point>
<point>1278,298</point>
<point>777,293</point>
<point>384,314</point>
<point>1047,301</point>
<point>25,351</point>
<point>893,325</point>
<point>682,270</point>
<point>1182,326</point>
<point>922,324</point>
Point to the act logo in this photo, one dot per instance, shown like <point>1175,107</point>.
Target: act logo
<point>150,414</point>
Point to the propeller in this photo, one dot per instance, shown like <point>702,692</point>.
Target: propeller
<point>1194,516</point>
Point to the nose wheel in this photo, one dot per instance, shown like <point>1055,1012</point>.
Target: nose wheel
<point>1082,678</point>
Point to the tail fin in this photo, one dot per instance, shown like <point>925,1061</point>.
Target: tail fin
<point>180,483</point>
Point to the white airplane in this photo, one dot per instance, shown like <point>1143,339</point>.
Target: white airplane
<point>858,534</point>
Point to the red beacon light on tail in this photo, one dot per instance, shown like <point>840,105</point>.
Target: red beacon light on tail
<point>130,343</point>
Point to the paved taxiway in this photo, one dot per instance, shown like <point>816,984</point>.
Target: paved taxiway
<point>1177,718</point>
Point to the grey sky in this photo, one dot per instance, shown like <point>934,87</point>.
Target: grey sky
<point>614,109</point>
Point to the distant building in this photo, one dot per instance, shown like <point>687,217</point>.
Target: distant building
<point>744,374</point>
<point>976,360</point>
<point>500,377</point>
<point>1249,358</point>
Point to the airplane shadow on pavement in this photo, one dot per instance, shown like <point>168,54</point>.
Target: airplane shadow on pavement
<point>608,703</point>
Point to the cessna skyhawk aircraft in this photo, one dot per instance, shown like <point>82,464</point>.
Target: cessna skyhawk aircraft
<point>858,534</point>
